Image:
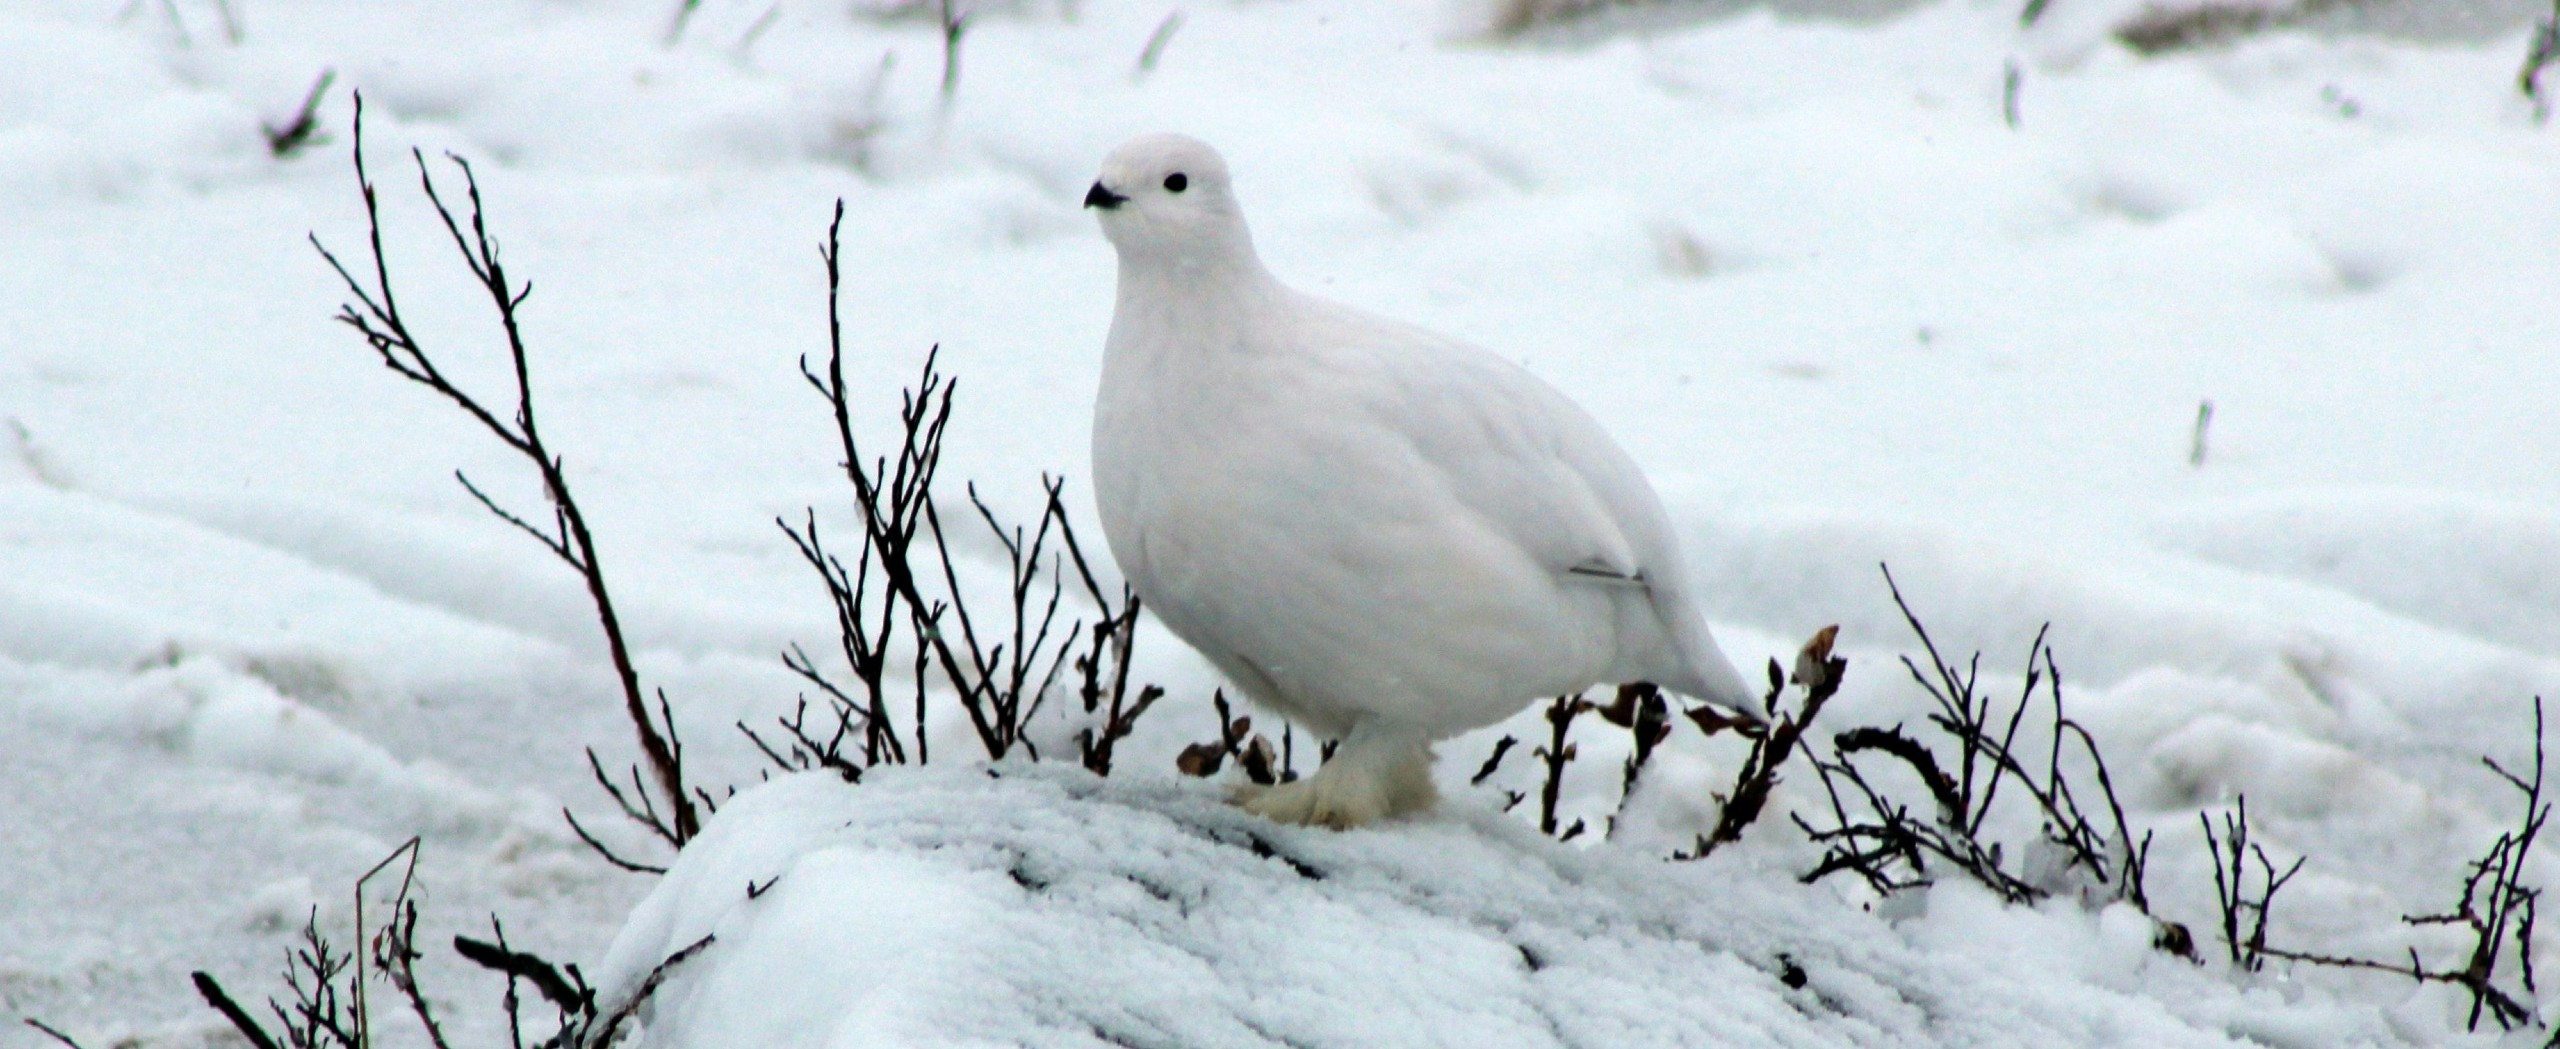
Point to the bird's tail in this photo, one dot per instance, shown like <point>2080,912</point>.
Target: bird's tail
<point>1705,672</point>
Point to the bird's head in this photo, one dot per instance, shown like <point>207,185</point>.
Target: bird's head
<point>1165,199</point>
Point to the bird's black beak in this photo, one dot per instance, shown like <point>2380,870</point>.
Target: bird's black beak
<point>1098,197</point>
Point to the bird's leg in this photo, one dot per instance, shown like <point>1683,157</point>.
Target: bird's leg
<point>1380,770</point>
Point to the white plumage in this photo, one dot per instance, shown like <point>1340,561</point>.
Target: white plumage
<point>1385,535</point>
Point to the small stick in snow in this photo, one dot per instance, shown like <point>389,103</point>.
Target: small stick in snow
<point>2248,952</point>
<point>613,1023</point>
<point>1557,753</point>
<point>56,1035</point>
<point>1889,847</point>
<point>2496,905</point>
<point>954,25</point>
<point>1640,709</point>
<point>394,951</point>
<point>2542,49</point>
<point>33,457</point>
<point>601,850</point>
<point>1237,740</point>
<point>684,14</point>
<point>1154,50</point>
<point>1818,674</point>
<point>747,40</point>
<point>2009,82</point>
<point>1493,761</point>
<point>568,992</point>
<point>299,132</point>
<point>231,1010</point>
<point>2196,445</point>
<point>185,39</point>
<point>231,30</point>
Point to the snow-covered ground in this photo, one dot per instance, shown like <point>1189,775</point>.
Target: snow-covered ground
<point>252,635</point>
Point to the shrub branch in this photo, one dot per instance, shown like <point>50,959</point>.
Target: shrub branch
<point>1879,838</point>
<point>2495,904</point>
<point>900,604</point>
<point>375,314</point>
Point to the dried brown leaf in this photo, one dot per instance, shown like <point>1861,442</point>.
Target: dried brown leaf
<point>1201,759</point>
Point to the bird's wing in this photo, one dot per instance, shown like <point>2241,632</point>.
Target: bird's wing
<point>1536,472</point>
<point>1544,473</point>
<point>1530,462</point>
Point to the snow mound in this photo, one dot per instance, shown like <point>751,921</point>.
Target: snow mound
<point>1035,905</point>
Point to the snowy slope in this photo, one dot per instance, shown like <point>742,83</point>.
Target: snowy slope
<point>1039,906</point>
<point>252,636</point>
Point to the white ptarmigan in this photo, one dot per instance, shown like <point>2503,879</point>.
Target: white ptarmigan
<point>1387,536</point>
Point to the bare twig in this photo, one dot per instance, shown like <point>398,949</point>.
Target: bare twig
<point>2495,905</point>
<point>1884,843</point>
<point>2011,79</point>
<point>170,7</point>
<point>1113,637</point>
<point>54,1034</point>
<point>563,986</point>
<point>806,750</point>
<point>1556,753</point>
<point>954,26</point>
<point>601,1034</point>
<point>1148,55</point>
<point>1493,761</point>
<point>756,30</point>
<point>2196,444</point>
<point>1236,740</point>
<point>1511,799</point>
<point>294,134</point>
<point>393,949</point>
<point>1818,674</point>
<point>900,593</point>
<point>329,1007</point>
<point>602,850</point>
<point>375,315</point>
<point>683,15</point>
<point>316,1018</point>
<point>2542,49</point>
<point>2239,909</point>
<point>1640,709</point>
<point>240,1020</point>
<point>893,500</point>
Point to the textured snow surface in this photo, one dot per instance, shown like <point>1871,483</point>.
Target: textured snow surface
<point>1039,906</point>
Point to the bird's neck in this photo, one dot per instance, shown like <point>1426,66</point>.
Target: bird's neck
<point>1211,298</point>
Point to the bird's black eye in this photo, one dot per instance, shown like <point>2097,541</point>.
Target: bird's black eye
<point>1176,182</point>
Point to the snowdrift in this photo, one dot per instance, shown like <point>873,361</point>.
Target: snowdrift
<point>1036,905</point>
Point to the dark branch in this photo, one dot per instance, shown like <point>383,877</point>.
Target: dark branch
<point>230,1010</point>
<point>602,1034</point>
<point>546,978</point>
<point>375,314</point>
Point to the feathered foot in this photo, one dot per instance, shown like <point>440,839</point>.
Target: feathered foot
<point>1375,774</point>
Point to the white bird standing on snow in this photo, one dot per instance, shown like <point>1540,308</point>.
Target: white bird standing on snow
<point>1387,536</point>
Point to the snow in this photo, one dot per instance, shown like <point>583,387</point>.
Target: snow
<point>252,636</point>
<point>1037,906</point>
